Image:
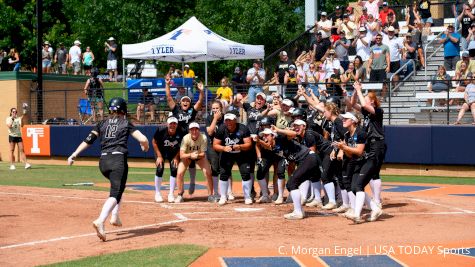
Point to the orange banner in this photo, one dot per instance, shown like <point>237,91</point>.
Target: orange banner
<point>36,140</point>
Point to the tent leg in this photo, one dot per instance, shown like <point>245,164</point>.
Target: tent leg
<point>206,85</point>
<point>123,78</point>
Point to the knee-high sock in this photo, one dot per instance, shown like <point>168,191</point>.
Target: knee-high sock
<point>110,203</point>
<point>246,188</point>
<point>370,203</point>
<point>337,192</point>
<point>115,210</point>
<point>158,183</point>
<point>344,198</point>
<point>351,197</point>
<point>296,200</point>
<point>215,185</point>
<point>317,189</point>
<point>330,189</point>
<point>359,202</point>
<point>304,189</point>
<point>172,184</point>
<point>192,172</point>
<point>229,185</point>
<point>376,189</point>
<point>312,194</point>
<point>280,187</point>
<point>263,186</point>
<point>223,188</point>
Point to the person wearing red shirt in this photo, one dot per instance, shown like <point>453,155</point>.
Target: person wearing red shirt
<point>383,14</point>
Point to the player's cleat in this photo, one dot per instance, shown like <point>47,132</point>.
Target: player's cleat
<point>264,199</point>
<point>294,216</point>
<point>27,166</point>
<point>115,221</point>
<point>171,198</point>
<point>341,209</point>
<point>222,201</point>
<point>12,167</point>
<point>315,203</point>
<point>212,199</point>
<point>179,199</point>
<point>279,200</point>
<point>329,206</point>
<point>357,220</point>
<point>380,205</point>
<point>375,215</point>
<point>231,196</point>
<point>289,199</point>
<point>158,198</point>
<point>348,214</point>
<point>248,201</point>
<point>274,197</point>
<point>191,188</point>
<point>99,227</point>
<point>253,193</point>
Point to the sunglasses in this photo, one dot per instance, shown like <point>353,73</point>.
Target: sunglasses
<point>14,111</point>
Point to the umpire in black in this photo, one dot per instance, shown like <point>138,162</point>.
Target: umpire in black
<point>113,133</point>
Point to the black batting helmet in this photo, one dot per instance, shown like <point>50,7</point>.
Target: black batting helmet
<point>266,121</point>
<point>299,112</point>
<point>118,104</point>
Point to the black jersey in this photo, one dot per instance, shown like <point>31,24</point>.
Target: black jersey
<point>253,117</point>
<point>337,131</point>
<point>308,139</point>
<point>95,88</point>
<point>373,123</point>
<point>290,149</point>
<point>209,120</point>
<point>323,145</point>
<point>235,138</point>
<point>358,137</point>
<point>169,145</point>
<point>114,133</point>
<point>184,116</point>
<point>315,121</point>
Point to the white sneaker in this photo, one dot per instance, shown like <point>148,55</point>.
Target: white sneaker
<point>348,214</point>
<point>294,216</point>
<point>179,199</point>
<point>27,166</point>
<point>329,206</point>
<point>115,221</point>
<point>158,198</point>
<point>315,203</point>
<point>231,196</point>
<point>264,199</point>
<point>222,201</point>
<point>99,227</point>
<point>375,215</point>
<point>380,205</point>
<point>171,198</point>
<point>341,209</point>
<point>279,200</point>
<point>12,167</point>
<point>248,201</point>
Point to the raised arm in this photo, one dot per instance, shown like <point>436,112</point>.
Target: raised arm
<point>199,104</point>
<point>364,104</point>
<point>171,103</point>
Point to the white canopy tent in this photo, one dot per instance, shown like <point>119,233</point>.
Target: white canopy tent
<point>192,42</point>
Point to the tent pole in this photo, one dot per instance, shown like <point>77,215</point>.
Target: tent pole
<point>206,84</point>
<point>123,78</point>
<point>183,74</point>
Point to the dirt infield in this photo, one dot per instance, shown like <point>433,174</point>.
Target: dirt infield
<point>40,226</point>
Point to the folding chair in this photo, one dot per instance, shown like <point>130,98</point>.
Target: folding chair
<point>85,111</point>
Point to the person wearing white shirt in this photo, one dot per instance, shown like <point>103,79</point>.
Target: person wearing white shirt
<point>330,64</point>
<point>325,25</point>
<point>395,45</point>
<point>362,43</point>
<point>372,6</point>
<point>255,77</point>
<point>75,57</point>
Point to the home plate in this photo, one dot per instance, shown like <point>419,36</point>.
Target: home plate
<point>248,209</point>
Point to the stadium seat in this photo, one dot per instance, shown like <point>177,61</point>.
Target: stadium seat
<point>84,110</point>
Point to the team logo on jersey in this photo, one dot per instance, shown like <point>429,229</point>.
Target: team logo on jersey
<point>230,142</point>
<point>184,118</point>
<point>170,143</point>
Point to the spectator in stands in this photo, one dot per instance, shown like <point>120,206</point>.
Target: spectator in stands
<point>94,90</point>
<point>309,58</point>
<point>460,78</point>
<point>330,63</point>
<point>224,93</point>
<point>320,46</point>
<point>362,44</point>
<point>391,22</point>
<point>337,19</point>
<point>183,91</point>
<point>471,41</point>
<point>412,16</point>
<point>238,80</point>
<point>46,58</point>
<point>409,51</point>
<point>351,14</point>
<point>88,60</point>
<point>379,62</point>
<point>384,13</point>
<point>466,18</point>
<point>146,101</point>
<point>324,25</point>
<point>61,58</point>
<point>300,72</point>
<point>282,66</point>
<point>417,38</point>
<point>451,41</point>
<point>75,57</point>
<point>341,50</point>
<point>174,72</point>
<point>469,98</point>
<point>363,18</point>
<point>439,83</point>
<point>111,50</point>
<point>395,45</point>
<point>348,27</point>
<point>424,11</point>
<point>3,57</point>
<point>255,77</point>
<point>290,79</point>
<point>360,69</point>
<point>312,78</point>
<point>188,73</point>
<point>373,28</point>
<point>468,61</point>
<point>14,59</point>
<point>348,77</point>
<point>372,6</point>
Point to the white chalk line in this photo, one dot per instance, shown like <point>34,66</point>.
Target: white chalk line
<point>441,205</point>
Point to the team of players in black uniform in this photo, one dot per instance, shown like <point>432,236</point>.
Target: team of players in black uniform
<point>318,147</point>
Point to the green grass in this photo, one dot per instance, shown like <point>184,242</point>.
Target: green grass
<point>168,255</point>
<point>113,89</point>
